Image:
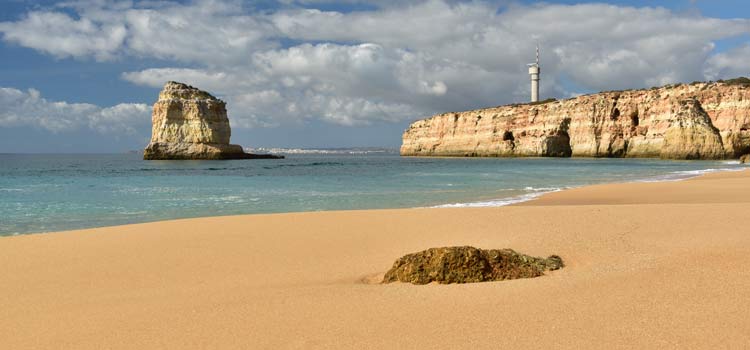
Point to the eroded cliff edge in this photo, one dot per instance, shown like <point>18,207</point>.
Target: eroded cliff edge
<point>687,121</point>
<point>189,123</point>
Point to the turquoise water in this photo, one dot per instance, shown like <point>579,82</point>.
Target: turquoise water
<point>41,193</point>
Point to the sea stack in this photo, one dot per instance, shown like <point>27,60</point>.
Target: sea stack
<point>189,123</point>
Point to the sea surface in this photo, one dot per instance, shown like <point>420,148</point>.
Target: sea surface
<point>43,193</point>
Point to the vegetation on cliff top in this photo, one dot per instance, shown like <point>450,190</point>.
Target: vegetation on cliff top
<point>736,81</point>
<point>185,91</point>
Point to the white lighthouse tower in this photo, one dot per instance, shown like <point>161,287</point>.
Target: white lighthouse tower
<point>534,71</point>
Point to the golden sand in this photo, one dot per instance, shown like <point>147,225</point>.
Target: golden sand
<point>648,265</point>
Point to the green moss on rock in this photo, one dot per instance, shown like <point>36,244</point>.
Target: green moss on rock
<point>468,265</point>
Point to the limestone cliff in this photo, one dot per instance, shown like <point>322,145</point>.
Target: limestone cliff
<point>188,123</point>
<point>687,121</point>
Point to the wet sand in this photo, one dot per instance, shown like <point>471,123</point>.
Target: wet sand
<point>649,265</point>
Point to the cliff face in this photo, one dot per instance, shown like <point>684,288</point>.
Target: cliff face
<point>695,121</point>
<point>188,123</point>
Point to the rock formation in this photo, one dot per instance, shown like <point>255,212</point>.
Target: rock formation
<point>467,265</point>
<point>686,121</point>
<point>188,123</point>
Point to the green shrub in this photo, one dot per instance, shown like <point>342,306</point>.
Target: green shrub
<point>736,81</point>
<point>543,102</point>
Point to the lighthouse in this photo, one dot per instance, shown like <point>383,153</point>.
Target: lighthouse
<point>534,71</point>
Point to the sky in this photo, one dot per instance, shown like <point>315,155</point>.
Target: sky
<point>81,76</point>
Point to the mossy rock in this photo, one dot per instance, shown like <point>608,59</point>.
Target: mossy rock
<point>468,265</point>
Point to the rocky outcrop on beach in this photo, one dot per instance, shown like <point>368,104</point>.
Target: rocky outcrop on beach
<point>468,265</point>
<point>188,123</point>
<point>686,121</point>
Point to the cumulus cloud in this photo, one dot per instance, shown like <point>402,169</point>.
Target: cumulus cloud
<point>29,108</point>
<point>598,46</point>
<point>206,32</point>
<point>398,61</point>
<point>730,64</point>
<point>322,81</point>
<point>60,35</point>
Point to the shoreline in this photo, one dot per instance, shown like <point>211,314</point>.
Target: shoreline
<point>489,203</point>
<point>529,197</point>
<point>648,265</point>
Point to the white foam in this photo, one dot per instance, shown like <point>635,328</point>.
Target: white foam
<point>530,188</point>
<point>539,191</point>
<point>12,190</point>
<point>687,174</point>
<point>133,212</point>
<point>500,202</point>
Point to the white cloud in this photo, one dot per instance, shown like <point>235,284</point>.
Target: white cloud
<point>402,61</point>
<point>431,24</point>
<point>206,32</point>
<point>731,64</point>
<point>599,46</point>
<point>309,81</point>
<point>156,77</point>
<point>60,35</point>
<point>29,108</point>
<point>123,117</point>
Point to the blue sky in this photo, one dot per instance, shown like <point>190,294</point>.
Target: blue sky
<point>81,75</point>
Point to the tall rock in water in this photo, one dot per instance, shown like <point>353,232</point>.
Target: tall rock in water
<point>188,123</point>
<point>686,121</point>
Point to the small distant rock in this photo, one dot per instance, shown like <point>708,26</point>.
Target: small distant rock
<point>745,159</point>
<point>468,265</point>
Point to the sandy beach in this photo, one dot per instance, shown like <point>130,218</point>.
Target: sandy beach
<point>649,265</point>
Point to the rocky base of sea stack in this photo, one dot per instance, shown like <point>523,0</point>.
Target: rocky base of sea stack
<point>468,265</point>
<point>186,151</point>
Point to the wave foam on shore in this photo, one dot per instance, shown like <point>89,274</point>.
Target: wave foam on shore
<point>500,202</point>
<point>540,191</point>
<point>687,174</point>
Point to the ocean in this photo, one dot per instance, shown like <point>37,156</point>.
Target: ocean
<point>44,193</point>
